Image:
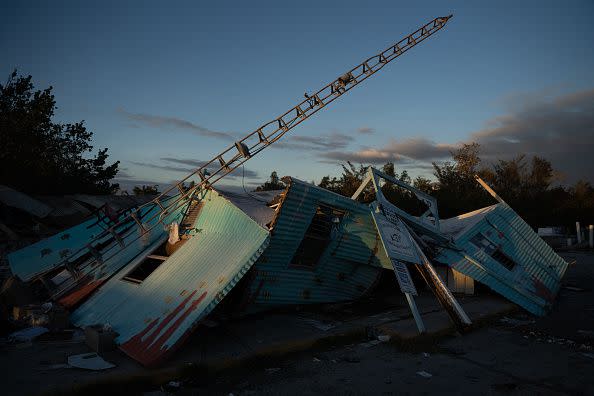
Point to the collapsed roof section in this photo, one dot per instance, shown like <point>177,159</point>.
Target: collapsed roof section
<point>71,267</point>
<point>156,300</point>
<point>300,245</point>
<point>323,248</point>
<point>497,248</point>
<point>492,245</point>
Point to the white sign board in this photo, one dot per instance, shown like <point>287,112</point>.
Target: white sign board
<point>399,248</point>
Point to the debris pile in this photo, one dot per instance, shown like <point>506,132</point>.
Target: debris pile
<point>300,245</point>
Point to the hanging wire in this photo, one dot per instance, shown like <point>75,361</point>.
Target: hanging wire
<point>246,191</point>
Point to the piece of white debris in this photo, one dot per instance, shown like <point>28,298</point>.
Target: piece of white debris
<point>424,374</point>
<point>383,338</point>
<point>89,361</point>
<point>28,334</point>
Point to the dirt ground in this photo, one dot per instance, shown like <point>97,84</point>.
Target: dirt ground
<point>517,355</point>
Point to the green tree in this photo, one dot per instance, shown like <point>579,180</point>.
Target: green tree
<point>146,190</point>
<point>273,183</point>
<point>41,156</point>
<point>424,184</point>
<point>457,190</point>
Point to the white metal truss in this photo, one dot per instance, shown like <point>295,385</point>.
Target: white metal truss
<point>237,154</point>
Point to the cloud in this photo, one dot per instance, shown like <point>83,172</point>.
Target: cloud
<point>421,149</point>
<point>239,172</point>
<point>560,129</point>
<point>322,142</point>
<point>366,130</point>
<point>163,167</point>
<point>123,173</point>
<point>364,156</point>
<point>405,151</point>
<point>163,122</point>
<point>334,140</point>
<point>193,164</point>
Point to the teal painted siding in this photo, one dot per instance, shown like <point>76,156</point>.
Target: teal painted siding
<point>348,267</point>
<point>536,276</point>
<point>154,316</point>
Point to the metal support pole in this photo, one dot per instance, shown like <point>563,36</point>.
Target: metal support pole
<point>578,232</point>
<point>591,228</point>
<point>415,312</point>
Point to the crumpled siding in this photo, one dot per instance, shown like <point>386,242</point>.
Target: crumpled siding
<point>348,268</point>
<point>534,281</point>
<point>49,253</point>
<point>154,317</point>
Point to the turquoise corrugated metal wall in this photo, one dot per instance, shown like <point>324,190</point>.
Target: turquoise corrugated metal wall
<point>348,267</point>
<point>155,315</point>
<point>44,255</point>
<point>532,283</point>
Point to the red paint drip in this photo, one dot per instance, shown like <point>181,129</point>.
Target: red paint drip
<point>150,350</point>
<point>542,290</point>
<point>70,300</point>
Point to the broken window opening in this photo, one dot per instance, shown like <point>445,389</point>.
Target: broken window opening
<point>324,227</point>
<point>146,267</point>
<point>404,199</point>
<point>503,259</point>
<point>496,253</point>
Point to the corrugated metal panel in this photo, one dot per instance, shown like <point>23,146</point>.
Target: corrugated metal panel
<point>48,253</point>
<point>254,204</point>
<point>65,208</point>
<point>116,202</point>
<point>154,317</point>
<point>19,200</point>
<point>42,256</point>
<point>536,277</point>
<point>348,267</point>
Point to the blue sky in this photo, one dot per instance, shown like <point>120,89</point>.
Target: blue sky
<point>153,81</point>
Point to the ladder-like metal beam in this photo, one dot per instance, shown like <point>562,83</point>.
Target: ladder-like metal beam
<point>239,152</point>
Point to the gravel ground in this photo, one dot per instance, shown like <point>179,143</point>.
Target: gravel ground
<point>518,354</point>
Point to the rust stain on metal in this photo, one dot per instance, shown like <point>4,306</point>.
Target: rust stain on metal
<point>79,294</point>
<point>148,346</point>
<point>541,290</point>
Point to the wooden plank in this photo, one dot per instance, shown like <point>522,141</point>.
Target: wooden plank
<point>157,257</point>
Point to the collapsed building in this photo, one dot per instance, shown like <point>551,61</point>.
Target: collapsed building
<point>303,245</point>
<point>153,272</point>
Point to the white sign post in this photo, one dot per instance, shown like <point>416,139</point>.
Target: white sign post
<point>402,249</point>
<point>399,248</point>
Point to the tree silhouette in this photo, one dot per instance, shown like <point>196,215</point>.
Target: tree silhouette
<point>273,183</point>
<point>526,185</point>
<point>43,157</point>
<point>146,190</point>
